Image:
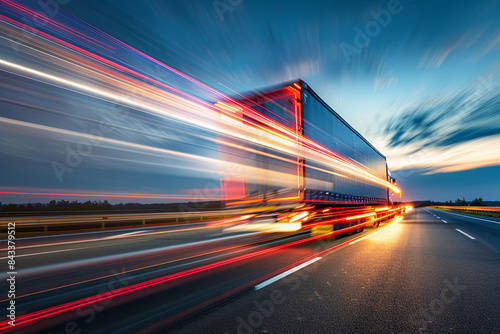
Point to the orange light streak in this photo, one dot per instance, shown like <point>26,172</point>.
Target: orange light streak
<point>361,216</point>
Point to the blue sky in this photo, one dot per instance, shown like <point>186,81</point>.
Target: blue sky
<point>424,86</point>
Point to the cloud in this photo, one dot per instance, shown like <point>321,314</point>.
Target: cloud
<point>481,152</point>
<point>455,132</point>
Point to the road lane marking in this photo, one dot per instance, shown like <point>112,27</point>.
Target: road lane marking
<point>286,273</point>
<point>444,221</point>
<point>471,237</point>
<point>29,272</point>
<point>486,220</point>
<point>369,235</point>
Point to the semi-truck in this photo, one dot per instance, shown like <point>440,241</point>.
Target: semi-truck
<point>305,155</point>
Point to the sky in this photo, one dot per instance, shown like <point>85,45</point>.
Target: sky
<point>419,79</point>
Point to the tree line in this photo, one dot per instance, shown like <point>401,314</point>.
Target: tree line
<point>64,205</point>
<point>458,202</point>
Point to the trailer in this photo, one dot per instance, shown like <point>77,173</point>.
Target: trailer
<point>302,152</point>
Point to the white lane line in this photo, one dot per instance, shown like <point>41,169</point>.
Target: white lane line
<point>369,235</point>
<point>438,217</point>
<point>486,220</point>
<point>444,221</point>
<point>122,235</point>
<point>471,237</point>
<point>286,273</point>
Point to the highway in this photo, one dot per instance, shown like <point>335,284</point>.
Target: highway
<point>424,271</point>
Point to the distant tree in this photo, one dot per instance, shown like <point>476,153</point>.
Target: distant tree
<point>106,205</point>
<point>87,205</point>
<point>52,205</point>
<point>477,201</point>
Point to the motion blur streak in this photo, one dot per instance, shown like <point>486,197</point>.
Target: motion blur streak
<point>28,318</point>
<point>369,235</point>
<point>222,249</point>
<point>94,64</point>
<point>106,195</point>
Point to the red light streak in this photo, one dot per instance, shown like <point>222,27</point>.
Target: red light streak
<point>30,317</point>
<point>104,60</point>
<point>56,24</point>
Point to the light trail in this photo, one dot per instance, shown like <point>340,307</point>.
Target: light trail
<point>341,165</point>
<point>224,250</point>
<point>104,76</point>
<point>398,219</point>
<point>51,311</point>
<point>103,238</point>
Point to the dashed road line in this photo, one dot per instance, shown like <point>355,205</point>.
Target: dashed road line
<point>286,273</point>
<point>486,220</point>
<point>469,236</point>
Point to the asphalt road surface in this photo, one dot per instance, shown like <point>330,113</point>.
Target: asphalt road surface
<point>425,271</point>
<point>420,275</point>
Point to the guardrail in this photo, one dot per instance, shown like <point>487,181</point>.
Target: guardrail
<point>103,220</point>
<point>478,210</point>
